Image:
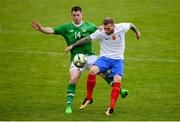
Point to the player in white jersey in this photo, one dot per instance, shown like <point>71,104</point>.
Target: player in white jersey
<point>112,45</point>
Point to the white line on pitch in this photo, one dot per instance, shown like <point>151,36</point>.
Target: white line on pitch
<point>32,52</point>
<point>60,54</point>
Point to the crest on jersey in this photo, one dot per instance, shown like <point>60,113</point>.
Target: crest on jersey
<point>83,29</point>
<point>113,37</point>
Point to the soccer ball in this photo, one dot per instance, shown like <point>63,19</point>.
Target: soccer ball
<point>79,60</point>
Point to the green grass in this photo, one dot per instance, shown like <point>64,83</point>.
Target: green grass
<point>33,80</point>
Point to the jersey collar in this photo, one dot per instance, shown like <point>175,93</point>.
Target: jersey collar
<point>78,24</point>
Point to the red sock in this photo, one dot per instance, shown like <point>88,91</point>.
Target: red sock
<point>114,94</point>
<point>91,81</point>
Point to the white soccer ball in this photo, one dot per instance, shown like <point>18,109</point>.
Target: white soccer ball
<point>79,60</point>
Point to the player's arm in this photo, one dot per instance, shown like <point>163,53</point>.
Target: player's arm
<point>80,42</point>
<point>94,36</point>
<point>37,26</point>
<point>135,30</point>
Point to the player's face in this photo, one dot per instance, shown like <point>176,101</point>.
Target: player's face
<point>109,29</point>
<point>76,17</point>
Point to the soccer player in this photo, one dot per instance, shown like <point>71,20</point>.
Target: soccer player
<point>72,32</point>
<point>112,45</point>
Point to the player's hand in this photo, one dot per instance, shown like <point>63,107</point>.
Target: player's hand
<point>68,49</point>
<point>36,25</point>
<point>138,35</point>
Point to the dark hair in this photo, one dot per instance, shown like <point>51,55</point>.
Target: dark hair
<point>76,8</point>
<point>108,20</point>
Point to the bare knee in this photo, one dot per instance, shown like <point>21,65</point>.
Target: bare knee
<point>117,78</point>
<point>94,70</point>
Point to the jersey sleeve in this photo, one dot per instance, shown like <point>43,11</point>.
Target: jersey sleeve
<point>96,35</point>
<point>125,26</point>
<point>59,29</point>
<point>93,27</point>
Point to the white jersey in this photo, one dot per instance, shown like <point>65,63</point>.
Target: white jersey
<point>112,46</point>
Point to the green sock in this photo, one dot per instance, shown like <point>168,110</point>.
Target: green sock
<point>70,94</point>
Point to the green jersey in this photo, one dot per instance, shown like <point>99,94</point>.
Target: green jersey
<point>72,34</point>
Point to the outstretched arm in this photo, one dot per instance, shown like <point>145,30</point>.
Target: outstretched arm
<point>135,30</point>
<point>37,26</point>
<point>80,42</point>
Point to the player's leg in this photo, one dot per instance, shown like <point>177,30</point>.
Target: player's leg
<point>123,92</point>
<point>90,61</point>
<point>114,94</point>
<point>74,77</point>
<point>95,69</point>
<point>116,73</point>
<point>91,81</point>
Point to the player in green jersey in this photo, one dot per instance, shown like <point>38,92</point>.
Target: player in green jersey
<point>72,32</point>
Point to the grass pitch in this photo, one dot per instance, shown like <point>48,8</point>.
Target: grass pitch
<point>34,71</point>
